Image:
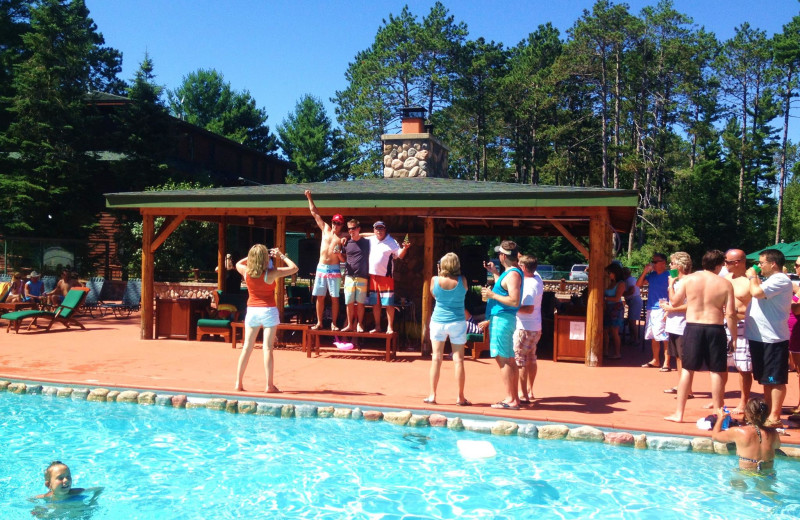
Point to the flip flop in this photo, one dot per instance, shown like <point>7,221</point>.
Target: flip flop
<point>463,403</point>
<point>671,391</point>
<point>665,369</point>
<point>428,401</point>
<point>649,365</point>
<point>504,406</point>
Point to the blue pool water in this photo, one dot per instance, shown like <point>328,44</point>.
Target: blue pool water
<point>163,463</point>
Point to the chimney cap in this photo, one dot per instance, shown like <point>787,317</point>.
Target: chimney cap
<point>412,112</point>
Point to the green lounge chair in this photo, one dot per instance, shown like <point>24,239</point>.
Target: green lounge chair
<point>64,313</point>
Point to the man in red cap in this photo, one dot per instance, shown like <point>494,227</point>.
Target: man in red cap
<point>328,279</point>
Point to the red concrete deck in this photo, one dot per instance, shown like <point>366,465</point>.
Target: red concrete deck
<point>110,354</point>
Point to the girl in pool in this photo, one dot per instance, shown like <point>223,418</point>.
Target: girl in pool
<point>58,480</point>
<point>262,311</point>
<point>755,444</point>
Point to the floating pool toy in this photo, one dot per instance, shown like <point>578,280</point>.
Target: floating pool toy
<point>476,449</point>
<point>343,346</point>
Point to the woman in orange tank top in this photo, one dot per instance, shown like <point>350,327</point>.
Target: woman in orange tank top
<point>261,308</point>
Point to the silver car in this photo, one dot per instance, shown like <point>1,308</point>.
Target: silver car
<point>578,273</point>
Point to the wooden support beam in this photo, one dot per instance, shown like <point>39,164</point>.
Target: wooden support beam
<point>569,236</point>
<point>170,224</point>
<point>599,258</point>
<point>148,299</point>
<point>222,270</point>
<point>427,273</point>
<point>280,243</point>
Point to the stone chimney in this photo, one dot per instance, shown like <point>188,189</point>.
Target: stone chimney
<point>414,152</point>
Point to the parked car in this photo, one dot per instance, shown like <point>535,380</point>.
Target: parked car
<point>578,273</point>
<point>546,271</point>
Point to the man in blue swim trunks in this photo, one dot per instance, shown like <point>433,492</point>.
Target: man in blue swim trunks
<point>328,279</point>
<point>501,308</point>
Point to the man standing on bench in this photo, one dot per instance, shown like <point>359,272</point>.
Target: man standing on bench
<point>381,284</point>
<point>328,279</point>
<point>356,256</point>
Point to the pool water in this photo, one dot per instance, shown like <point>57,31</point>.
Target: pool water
<point>164,463</point>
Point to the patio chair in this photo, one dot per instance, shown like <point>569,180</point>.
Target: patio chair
<point>131,300</point>
<point>64,313</point>
<point>230,307</point>
<point>93,301</point>
<point>478,343</point>
<point>5,277</point>
<point>300,305</point>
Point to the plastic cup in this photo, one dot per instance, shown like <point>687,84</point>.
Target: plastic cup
<point>673,273</point>
<point>757,269</point>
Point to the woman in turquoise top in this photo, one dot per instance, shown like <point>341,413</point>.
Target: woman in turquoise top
<point>502,304</point>
<point>448,319</point>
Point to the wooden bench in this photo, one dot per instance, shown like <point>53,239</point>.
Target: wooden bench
<point>238,326</point>
<point>391,340</point>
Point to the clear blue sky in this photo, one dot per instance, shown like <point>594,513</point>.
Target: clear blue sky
<point>280,50</point>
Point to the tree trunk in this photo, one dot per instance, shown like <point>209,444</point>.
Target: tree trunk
<point>787,100</point>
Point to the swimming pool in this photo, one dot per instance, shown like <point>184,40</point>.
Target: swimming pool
<point>159,462</point>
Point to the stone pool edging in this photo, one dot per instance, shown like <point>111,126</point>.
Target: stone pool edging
<point>404,418</point>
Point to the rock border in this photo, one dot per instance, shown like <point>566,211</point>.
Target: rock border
<point>404,418</point>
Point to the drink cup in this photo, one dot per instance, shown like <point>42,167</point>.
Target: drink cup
<point>673,273</point>
<point>485,294</point>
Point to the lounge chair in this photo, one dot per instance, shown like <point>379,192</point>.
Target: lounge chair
<point>93,302</point>
<point>64,313</point>
<point>230,308</point>
<point>131,300</point>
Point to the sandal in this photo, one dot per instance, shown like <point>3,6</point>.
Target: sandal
<point>665,369</point>
<point>773,424</point>
<point>505,406</point>
<point>672,390</point>
<point>463,403</point>
<point>428,400</point>
<point>649,365</point>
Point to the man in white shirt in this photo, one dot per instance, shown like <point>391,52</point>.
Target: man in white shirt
<point>767,330</point>
<point>381,284</point>
<point>529,326</point>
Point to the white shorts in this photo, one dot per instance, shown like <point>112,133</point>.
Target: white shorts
<point>262,317</point>
<point>457,330</point>
<point>741,356</point>
<point>656,325</point>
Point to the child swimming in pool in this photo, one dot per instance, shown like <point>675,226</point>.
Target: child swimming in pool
<point>755,444</point>
<point>58,480</point>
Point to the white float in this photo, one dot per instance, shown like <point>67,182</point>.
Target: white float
<point>476,449</point>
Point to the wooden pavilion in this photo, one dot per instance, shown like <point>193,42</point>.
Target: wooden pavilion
<point>437,211</point>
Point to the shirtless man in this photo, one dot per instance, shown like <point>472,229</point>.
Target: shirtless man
<point>65,283</point>
<point>736,265</point>
<point>328,279</point>
<point>710,303</point>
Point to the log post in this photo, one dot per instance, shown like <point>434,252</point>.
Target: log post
<point>427,272</point>
<point>222,270</point>
<point>280,243</point>
<point>148,231</point>
<point>599,257</point>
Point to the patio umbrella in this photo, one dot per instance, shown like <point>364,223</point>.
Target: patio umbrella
<point>790,250</point>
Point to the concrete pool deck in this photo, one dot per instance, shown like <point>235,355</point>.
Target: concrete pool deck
<point>109,353</point>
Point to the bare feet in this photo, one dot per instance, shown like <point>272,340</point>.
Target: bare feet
<point>431,399</point>
<point>373,331</point>
<point>239,388</point>
<point>347,328</point>
<point>674,418</point>
<point>317,326</point>
<point>359,328</point>
<point>389,331</point>
<point>334,327</point>
<point>273,390</point>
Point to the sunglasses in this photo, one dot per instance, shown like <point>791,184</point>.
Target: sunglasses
<point>335,223</point>
<point>351,228</point>
<point>731,262</point>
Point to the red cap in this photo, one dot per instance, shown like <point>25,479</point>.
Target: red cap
<point>338,218</point>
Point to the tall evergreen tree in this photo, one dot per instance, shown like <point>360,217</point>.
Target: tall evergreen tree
<point>52,172</point>
<point>308,141</point>
<point>205,99</point>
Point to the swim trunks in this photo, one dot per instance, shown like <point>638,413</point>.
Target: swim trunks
<point>383,287</point>
<point>655,327</point>
<point>525,342</point>
<point>741,356</point>
<point>705,344</point>
<point>355,290</point>
<point>501,335</point>
<point>770,362</point>
<point>328,280</point>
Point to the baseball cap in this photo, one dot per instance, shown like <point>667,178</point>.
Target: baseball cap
<point>379,224</point>
<point>338,218</point>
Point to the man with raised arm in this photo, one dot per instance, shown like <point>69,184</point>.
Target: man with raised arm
<point>328,279</point>
<point>709,303</point>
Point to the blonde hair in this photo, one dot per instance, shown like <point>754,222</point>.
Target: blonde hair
<point>450,265</point>
<point>683,260</point>
<point>530,263</point>
<point>16,276</point>
<point>257,261</point>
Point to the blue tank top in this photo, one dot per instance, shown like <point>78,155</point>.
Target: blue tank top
<point>494,307</point>
<point>449,303</point>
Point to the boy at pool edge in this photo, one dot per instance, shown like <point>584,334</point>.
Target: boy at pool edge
<point>58,480</point>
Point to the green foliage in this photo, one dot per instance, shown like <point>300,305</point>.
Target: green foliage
<point>309,142</point>
<point>205,99</point>
<point>192,245</point>
<point>48,183</point>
